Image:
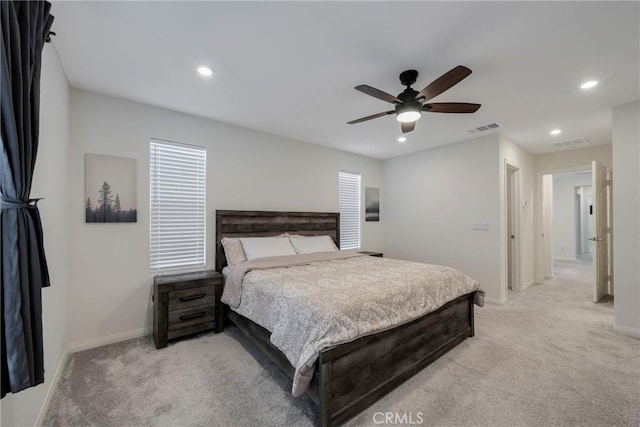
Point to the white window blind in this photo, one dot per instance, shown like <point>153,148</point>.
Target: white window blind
<point>177,211</point>
<point>349,201</point>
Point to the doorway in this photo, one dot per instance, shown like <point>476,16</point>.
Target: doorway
<point>576,228</point>
<point>571,193</point>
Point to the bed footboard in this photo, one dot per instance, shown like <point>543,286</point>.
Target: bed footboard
<point>353,376</point>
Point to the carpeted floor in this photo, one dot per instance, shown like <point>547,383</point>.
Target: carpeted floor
<point>547,358</point>
<point>580,270</point>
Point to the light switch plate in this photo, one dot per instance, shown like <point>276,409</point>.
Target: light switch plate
<point>480,226</point>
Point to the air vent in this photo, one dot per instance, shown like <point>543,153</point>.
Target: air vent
<point>570,143</point>
<point>484,128</point>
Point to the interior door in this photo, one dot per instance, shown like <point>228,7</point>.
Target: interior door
<point>510,230</point>
<point>513,250</point>
<point>600,249</point>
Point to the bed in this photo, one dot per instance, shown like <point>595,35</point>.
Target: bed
<point>342,383</point>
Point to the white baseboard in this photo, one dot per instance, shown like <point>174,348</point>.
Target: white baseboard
<point>528,285</point>
<point>53,385</point>
<point>495,301</point>
<point>549,277</point>
<point>564,258</point>
<point>109,339</point>
<point>635,333</point>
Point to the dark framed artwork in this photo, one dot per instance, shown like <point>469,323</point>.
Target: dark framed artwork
<point>372,204</point>
<point>110,188</point>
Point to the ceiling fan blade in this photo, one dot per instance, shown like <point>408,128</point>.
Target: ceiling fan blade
<point>444,82</point>
<point>374,116</point>
<point>377,93</point>
<point>451,107</point>
<point>408,127</point>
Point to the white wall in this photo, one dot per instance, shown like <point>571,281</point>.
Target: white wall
<point>110,282</point>
<point>573,158</point>
<point>626,217</point>
<point>434,197</point>
<point>513,154</point>
<point>50,177</point>
<point>564,214</point>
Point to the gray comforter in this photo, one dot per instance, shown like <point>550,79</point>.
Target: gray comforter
<point>313,302</point>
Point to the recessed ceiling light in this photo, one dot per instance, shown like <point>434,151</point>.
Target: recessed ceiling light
<point>589,84</point>
<point>402,139</point>
<point>555,132</point>
<point>205,71</point>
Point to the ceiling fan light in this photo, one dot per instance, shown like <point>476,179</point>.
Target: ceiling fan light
<point>408,116</point>
<point>408,112</point>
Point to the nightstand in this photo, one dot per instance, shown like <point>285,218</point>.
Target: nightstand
<point>371,253</point>
<point>186,304</point>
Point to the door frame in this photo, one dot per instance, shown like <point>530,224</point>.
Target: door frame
<point>539,227</point>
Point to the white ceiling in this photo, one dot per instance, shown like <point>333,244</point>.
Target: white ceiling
<point>289,68</point>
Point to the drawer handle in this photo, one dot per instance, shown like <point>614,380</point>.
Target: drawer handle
<point>192,316</point>
<point>192,297</point>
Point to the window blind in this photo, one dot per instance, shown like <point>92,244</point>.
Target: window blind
<point>349,201</point>
<point>177,205</point>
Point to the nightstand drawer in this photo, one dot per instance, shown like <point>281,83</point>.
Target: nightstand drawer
<point>191,316</point>
<point>204,295</point>
<point>188,330</point>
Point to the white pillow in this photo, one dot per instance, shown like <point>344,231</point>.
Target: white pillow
<point>258,247</point>
<point>313,244</point>
<point>233,251</point>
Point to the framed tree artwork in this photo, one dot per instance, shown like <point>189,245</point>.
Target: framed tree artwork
<point>110,188</point>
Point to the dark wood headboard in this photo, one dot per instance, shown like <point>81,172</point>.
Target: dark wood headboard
<point>272,223</point>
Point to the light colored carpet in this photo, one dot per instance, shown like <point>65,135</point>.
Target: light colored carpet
<point>547,358</point>
<point>580,270</point>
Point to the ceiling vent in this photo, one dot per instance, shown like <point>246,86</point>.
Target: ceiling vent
<point>570,143</point>
<point>484,128</point>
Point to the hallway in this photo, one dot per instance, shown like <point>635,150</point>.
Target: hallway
<point>579,270</point>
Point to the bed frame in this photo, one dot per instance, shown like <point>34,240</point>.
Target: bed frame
<point>349,377</point>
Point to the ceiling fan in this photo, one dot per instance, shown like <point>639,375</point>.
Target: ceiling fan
<point>410,103</point>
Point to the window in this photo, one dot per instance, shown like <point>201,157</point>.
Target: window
<point>177,211</point>
<point>349,201</point>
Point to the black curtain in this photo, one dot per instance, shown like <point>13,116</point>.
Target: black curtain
<point>25,27</point>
